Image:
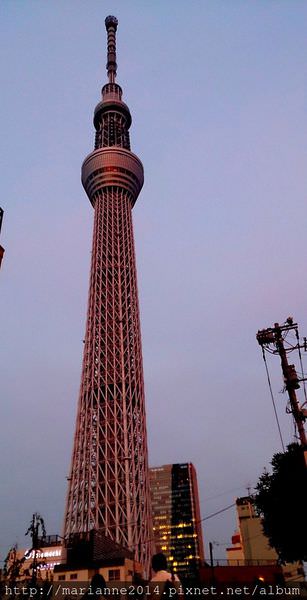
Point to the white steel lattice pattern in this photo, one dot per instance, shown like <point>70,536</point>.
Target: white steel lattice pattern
<point>108,485</point>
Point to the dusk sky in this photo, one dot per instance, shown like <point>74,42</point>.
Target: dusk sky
<point>217,90</point>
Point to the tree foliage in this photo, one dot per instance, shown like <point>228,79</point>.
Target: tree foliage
<point>281,501</point>
<point>12,565</point>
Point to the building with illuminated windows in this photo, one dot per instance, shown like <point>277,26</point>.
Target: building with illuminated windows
<point>176,517</point>
<point>51,553</point>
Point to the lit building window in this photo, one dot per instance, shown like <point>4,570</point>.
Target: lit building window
<point>114,574</point>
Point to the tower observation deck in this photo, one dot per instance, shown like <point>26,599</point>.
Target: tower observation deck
<point>108,483</point>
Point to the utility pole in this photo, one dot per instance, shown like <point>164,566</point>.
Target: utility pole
<point>1,248</point>
<point>211,562</point>
<point>272,340</point>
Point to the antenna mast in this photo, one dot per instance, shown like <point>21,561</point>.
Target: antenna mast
<point>111,27</point>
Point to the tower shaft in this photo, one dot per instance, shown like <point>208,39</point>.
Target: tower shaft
<point>108,484</point>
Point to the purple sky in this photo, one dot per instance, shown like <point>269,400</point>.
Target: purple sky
<point>217,92</point>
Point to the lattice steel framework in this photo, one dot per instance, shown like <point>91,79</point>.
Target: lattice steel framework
<point>109,483</point>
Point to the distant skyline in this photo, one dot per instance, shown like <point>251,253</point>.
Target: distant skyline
<point>217,92</point>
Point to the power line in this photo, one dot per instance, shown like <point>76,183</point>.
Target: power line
<point>218,512</point>
<point>241,487</point>
<point>272,398</point>
<point>301,363</point>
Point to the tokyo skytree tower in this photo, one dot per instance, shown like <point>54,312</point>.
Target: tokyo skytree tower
<point>108,483</point>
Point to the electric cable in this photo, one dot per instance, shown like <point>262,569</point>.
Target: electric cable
<point>301,363</point>
<point>272,398</point>
<point>207,498</point>
<point>218,512</point>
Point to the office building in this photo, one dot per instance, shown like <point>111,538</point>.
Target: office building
<point>176,517</point>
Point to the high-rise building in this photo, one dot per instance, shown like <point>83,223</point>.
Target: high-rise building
<point>108,483</point>
<point>176,517</point>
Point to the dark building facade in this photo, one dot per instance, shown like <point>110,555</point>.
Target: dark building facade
<point>176,517</point>
<point>93,553</point>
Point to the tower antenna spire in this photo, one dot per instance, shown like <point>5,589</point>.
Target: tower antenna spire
<point>111,27</point>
